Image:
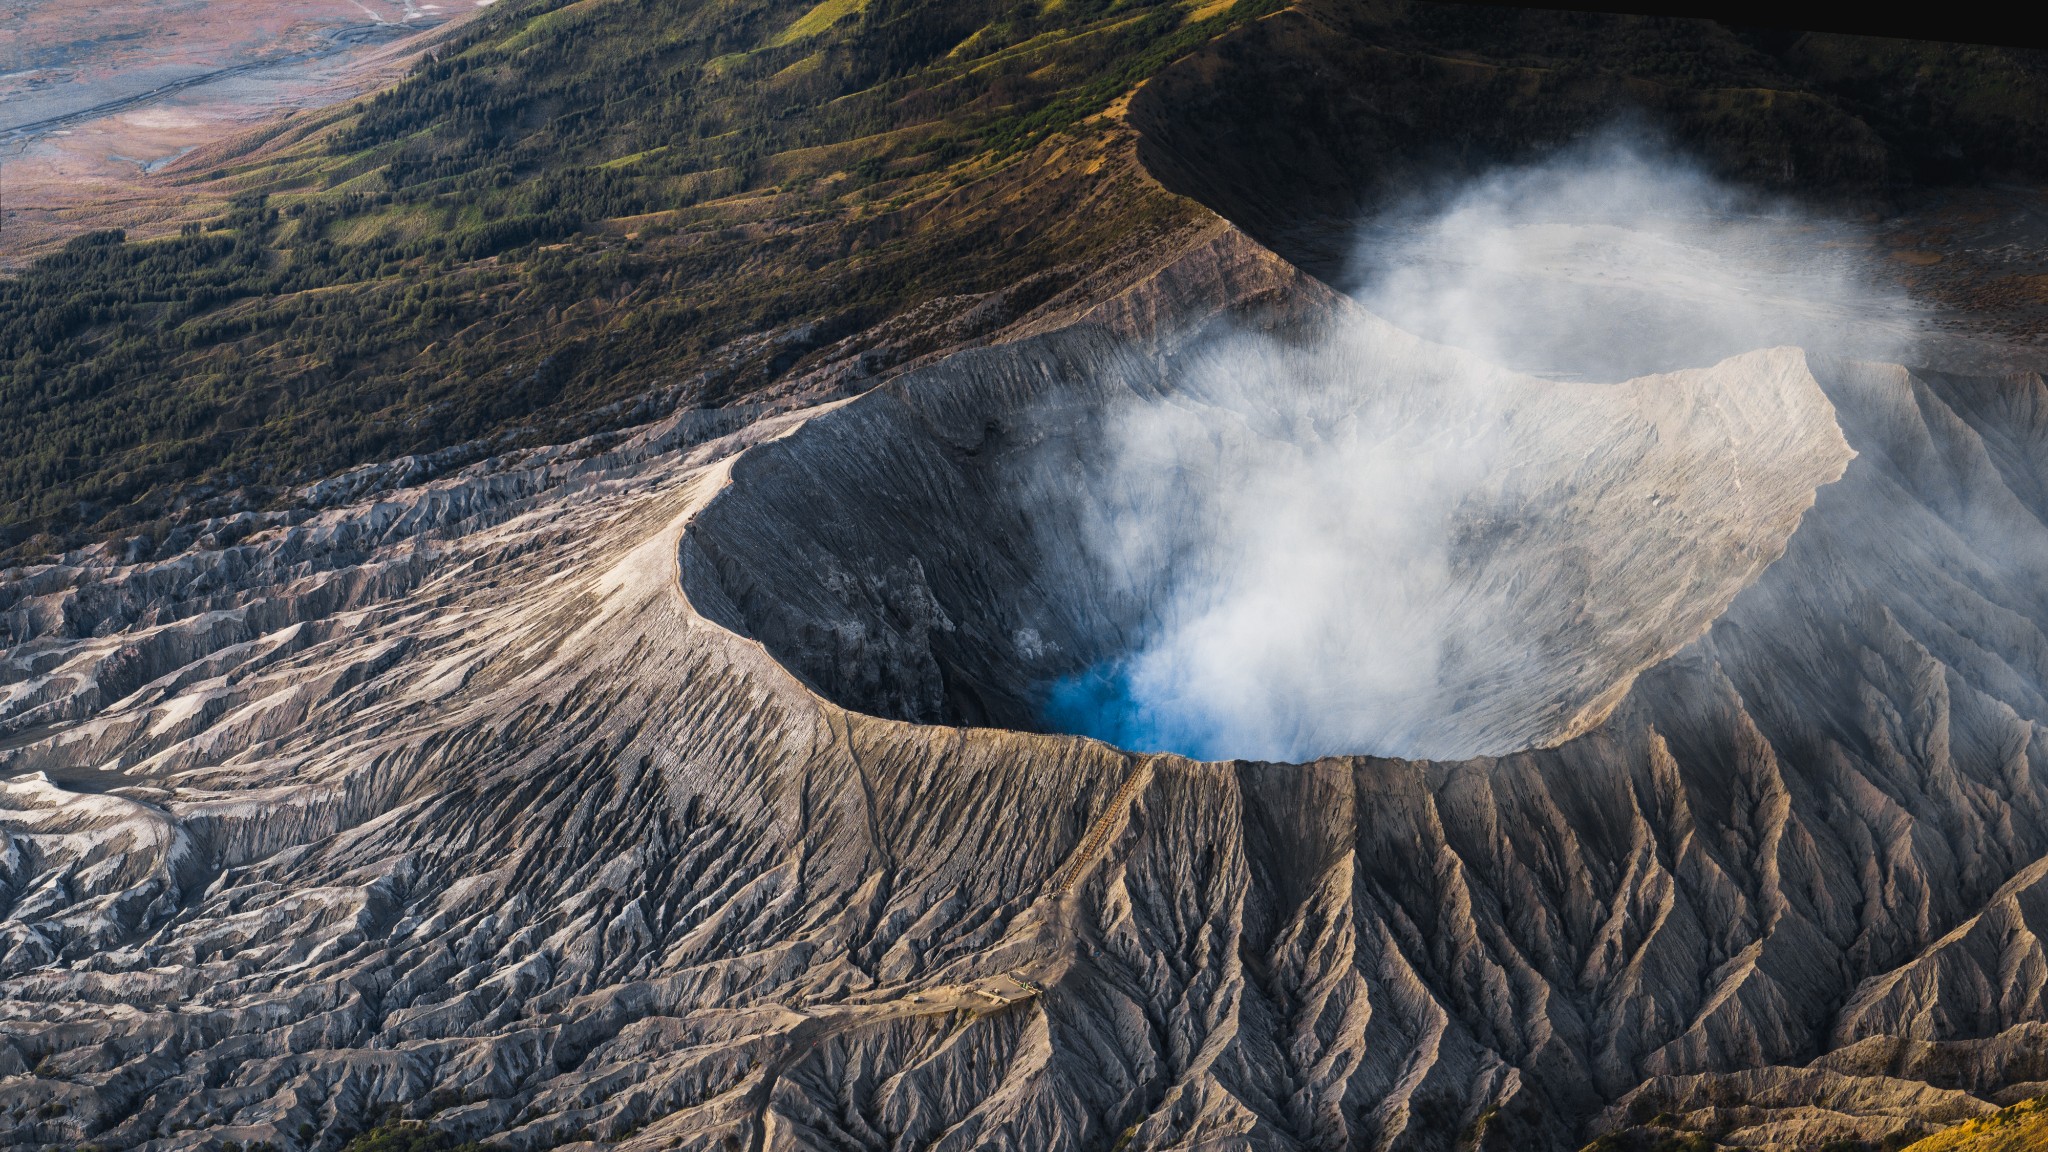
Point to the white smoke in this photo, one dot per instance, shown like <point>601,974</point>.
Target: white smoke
<point>1289,517</point>
<point>1618,259</point>
<point>1362,545</point>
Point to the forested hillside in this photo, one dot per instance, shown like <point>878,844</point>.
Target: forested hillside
<point>573,205</point>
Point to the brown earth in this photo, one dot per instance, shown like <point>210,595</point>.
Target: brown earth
<point>99,97</point>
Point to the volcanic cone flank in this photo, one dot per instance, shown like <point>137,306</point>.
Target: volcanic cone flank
<point>471,802</point>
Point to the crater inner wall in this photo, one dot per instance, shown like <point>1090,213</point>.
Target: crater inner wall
<point>954,547</point>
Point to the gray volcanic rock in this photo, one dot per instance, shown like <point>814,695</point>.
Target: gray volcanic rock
<point>456,803</point>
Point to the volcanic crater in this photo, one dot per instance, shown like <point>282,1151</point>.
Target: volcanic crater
<point>693,787</point>
<point>955,547</point>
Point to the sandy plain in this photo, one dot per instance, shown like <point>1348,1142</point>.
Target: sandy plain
<point>99,96</point>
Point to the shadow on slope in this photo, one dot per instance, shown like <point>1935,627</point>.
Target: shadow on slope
<point>1297,125</point>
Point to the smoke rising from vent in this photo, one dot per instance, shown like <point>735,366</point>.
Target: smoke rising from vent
<point>1619,259</point>
<point>1367,543</point>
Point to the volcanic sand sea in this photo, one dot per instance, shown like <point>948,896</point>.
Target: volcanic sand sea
<point>98,95</point>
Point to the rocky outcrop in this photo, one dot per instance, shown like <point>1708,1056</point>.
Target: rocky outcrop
<point>461,802</point>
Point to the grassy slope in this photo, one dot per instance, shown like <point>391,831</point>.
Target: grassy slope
<point>576,202</point>
<point>573,204</point>
<point>2020,1128</point>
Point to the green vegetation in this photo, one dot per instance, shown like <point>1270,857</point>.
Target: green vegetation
<point>1640,1141</point>
<point>570,206</point>
<point>573,204</point>
<point>2020,1128</point>
<point>1663,1132</point>
<point>408,1136</point>
<point>818,19</point>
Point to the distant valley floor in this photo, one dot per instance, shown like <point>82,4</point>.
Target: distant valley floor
<point>96,99</point>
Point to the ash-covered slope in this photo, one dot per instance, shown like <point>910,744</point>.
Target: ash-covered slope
<point>452,803</point>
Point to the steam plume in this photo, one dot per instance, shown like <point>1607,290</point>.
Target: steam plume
<point>1370,544</point>
<point>1619,259</point>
